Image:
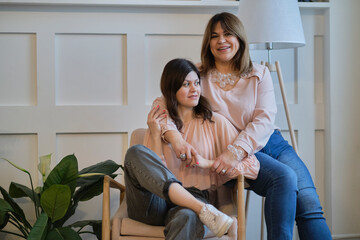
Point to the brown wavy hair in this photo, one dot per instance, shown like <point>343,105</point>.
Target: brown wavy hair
<point>172,79</point>
<point>241,62</point>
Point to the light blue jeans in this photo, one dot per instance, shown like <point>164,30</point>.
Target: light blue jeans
<point>147,183</point>
<point>290,193</point>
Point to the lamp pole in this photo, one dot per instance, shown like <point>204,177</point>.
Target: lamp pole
<point>276,68</point>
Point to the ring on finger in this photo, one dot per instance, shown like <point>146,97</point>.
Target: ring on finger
<point>182,156</point>
<point>223,171</point>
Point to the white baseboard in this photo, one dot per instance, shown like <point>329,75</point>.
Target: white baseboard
<point>346,236</point>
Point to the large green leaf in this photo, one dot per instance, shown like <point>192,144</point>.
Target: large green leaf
<point>17,190</point>
<point>4,219</point>
<point>87,192</point>
<point>97,228</point>
<point>5,206</point>
<point>55,201</point>
<point>71,211</point>
<point>65,233</point>
<point>66,172</point>
<point>4,209</point>
<point>95,224</point>
<point>106,167</point>
<point>16,210</point>
<point>11,201</point>
<point>39,230</point>
<point>83,223</point>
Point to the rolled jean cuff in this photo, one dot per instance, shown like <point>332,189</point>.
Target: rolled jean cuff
<point>166,188</point>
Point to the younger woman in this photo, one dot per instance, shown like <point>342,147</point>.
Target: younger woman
<point>160,189</point>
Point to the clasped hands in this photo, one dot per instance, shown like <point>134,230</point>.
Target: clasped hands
<point>224,164</point>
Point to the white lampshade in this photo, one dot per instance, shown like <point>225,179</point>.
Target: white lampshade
<point>272,21</point>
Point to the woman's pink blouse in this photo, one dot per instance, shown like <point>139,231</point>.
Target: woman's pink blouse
<point>250,106</point>
<point>210,140</point>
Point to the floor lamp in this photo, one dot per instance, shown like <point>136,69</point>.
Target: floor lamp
<point>270,25</point>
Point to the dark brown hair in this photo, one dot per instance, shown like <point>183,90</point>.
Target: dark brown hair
<point>241,62</point>
<point>172,79</point>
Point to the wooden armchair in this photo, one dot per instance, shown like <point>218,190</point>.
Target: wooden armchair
<point>121,227</point>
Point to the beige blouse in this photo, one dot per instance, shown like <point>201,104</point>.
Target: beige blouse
<point>210,140</point>
<point>250,106</point>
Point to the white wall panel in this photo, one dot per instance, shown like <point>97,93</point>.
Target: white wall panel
<point>20,149</point>
<point>89,149</point>
<point>159,49</point>
<point>319,69</point>
<point>18,69</point>
<point>90,69</point>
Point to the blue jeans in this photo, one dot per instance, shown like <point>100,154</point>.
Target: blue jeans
<point>290,193</point>
<point>147,183</point>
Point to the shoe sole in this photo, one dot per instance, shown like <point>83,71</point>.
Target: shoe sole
<point>224,228</point>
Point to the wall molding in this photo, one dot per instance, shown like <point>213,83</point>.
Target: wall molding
<point>148,3</point>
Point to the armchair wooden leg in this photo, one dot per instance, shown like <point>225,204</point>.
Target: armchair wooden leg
<point>241,209</point>
<point>106,209</point>
<point>109,183</point>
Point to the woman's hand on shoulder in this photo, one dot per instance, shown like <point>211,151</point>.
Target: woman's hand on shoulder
<point>153,121</point>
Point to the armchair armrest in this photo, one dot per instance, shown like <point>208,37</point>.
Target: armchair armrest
<point>109,183</point>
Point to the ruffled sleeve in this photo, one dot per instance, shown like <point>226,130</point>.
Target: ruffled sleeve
<point>249,167</point>
<point>226,132</point>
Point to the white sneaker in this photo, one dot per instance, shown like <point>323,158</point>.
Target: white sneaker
<point>218,222</point>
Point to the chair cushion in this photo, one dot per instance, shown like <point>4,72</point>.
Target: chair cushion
<point>130,227</point>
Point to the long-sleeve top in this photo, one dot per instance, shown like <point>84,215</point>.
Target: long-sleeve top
<point>210,139</point>
<point>250,106</point>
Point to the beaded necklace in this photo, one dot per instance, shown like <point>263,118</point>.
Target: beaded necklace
<point>224,78</point>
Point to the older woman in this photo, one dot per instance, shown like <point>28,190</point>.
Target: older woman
<point>243,92</point>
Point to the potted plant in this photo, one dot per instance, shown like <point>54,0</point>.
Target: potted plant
<point>64,187</point>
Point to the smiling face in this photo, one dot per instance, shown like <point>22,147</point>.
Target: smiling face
<point>223,44</point>
<point>188,94</point>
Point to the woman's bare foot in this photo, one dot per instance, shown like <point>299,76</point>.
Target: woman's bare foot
<point>204,163</point>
